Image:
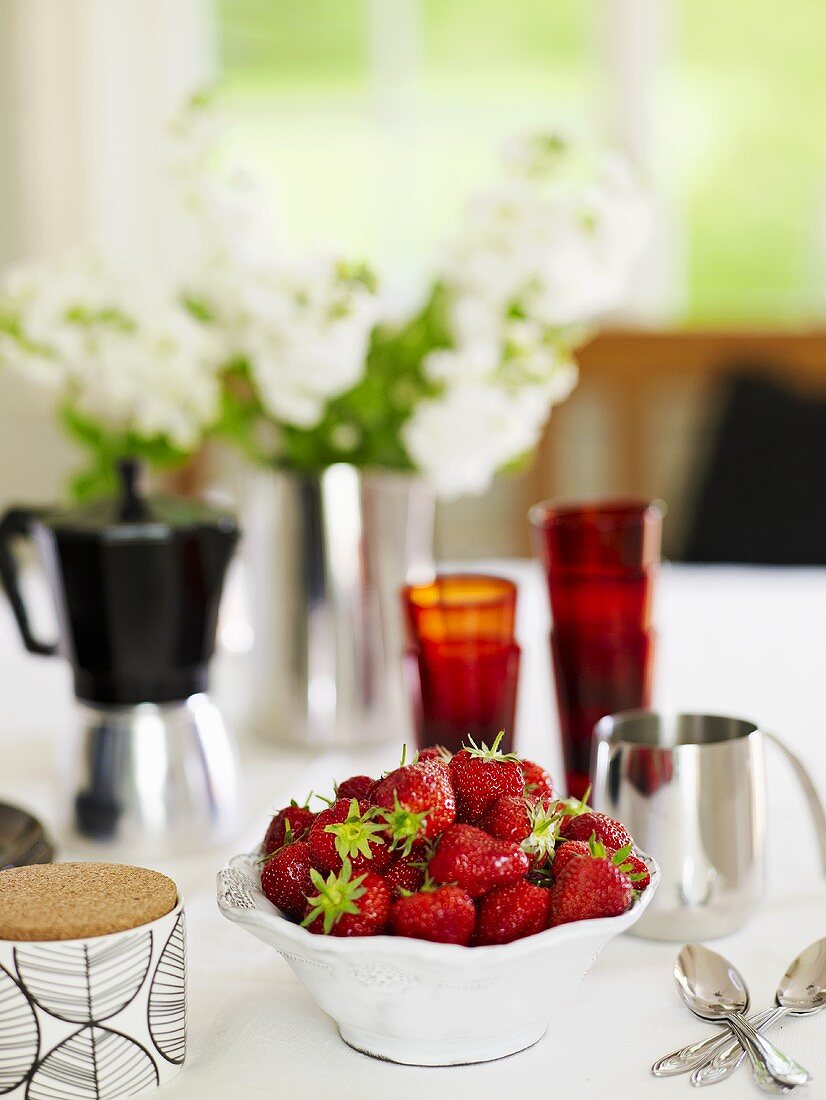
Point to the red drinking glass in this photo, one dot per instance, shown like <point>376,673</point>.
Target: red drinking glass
<point>462,663</point>
<point>594,677</point>
<point>461,690</point>
<point>601,562</point>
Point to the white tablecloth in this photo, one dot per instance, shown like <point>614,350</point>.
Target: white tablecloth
<point>750,642</point>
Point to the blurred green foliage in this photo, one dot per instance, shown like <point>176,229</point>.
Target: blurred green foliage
<point>739,136</point>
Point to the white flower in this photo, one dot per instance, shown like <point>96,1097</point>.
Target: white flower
<point>537,258</point>
<point>158,379</point>
<point>126,358</point>
<point>37,301</point>
<point>471,362</point>
<point>222,226</point>
<point>462,438</point>
<point>557,238</point>
<point>305,334</point>
<point>512,354</point>
<point>303,329</point>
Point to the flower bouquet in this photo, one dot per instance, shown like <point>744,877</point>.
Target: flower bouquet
<point>357,419</point>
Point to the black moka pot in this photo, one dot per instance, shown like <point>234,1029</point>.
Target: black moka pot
<point>136,583</point>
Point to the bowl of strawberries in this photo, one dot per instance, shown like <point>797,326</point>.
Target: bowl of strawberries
<point>439,912</point>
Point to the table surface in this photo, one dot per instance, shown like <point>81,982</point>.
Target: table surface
<point>749,642</point>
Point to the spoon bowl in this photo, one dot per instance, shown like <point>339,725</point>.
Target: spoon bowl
<point>802,988</point>
<point>709,984</point>
<point>801,992</point>
<point>715,990</point>
<point>23,839</point>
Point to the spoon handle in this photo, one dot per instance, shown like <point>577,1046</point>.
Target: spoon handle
<point>697,1054</point>
<point>768,1063</point>
<point>730,1057</point>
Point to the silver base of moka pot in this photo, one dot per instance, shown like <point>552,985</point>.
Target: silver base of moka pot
<point>151,781</point>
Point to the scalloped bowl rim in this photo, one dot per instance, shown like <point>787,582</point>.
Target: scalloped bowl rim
<point>273,920</point>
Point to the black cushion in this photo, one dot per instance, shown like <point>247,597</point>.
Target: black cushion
<point>762,494</point>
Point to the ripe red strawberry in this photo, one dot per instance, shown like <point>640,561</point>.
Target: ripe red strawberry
<point>480,775</point>
<point>531,824</point>
<point>612,834</point>
<point>512,912</point>
<point>475,861</point>
<point>569,850</point>
<point>405,875</point>
<point>634,869</point>
<point>508,818</point>
<point>300,819</point>
<point>538,783</point>
<point>435,752</point>
<point>444,914</point>
<point>347,906</point>
<point>357,786</point>
<point>419,802</point>
<point>285,878</point>
<point>348,830</point>
<point>589,888</point>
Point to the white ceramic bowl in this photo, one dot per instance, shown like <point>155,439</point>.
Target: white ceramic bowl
<point>422,1003</point>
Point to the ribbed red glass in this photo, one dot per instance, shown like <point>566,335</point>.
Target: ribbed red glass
<point>462,663</point>
<point>600,562</point>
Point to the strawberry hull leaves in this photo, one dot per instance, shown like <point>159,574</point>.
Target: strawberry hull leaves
<point>540,844</point>
<point>634,868</point>
<point>404,827</point>
<point>529,823</point>
<point>348,830</point>
<point>347,906</point>
<point>419,802</point>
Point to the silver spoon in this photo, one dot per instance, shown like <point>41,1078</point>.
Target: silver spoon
<point>801,992</point>
<point>806,971</point>
<point>714,990</point>
<point>700,1053</point>
<point>22,839</point>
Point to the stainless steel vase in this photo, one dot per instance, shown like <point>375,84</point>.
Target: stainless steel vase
<point>324,558</point>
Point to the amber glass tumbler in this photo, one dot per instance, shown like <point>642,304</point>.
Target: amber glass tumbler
<point>462,663</point>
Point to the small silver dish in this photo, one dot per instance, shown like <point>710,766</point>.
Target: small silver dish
<point>23,840</point>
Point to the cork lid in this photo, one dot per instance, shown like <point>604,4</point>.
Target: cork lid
<point>70,901</point>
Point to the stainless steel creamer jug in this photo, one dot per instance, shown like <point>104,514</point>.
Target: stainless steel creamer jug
<point>691,790</point>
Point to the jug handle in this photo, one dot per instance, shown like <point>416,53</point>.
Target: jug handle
<point>16,523</point>
<point>810,791</point>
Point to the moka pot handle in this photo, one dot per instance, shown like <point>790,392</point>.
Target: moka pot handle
<point>17,524</point>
